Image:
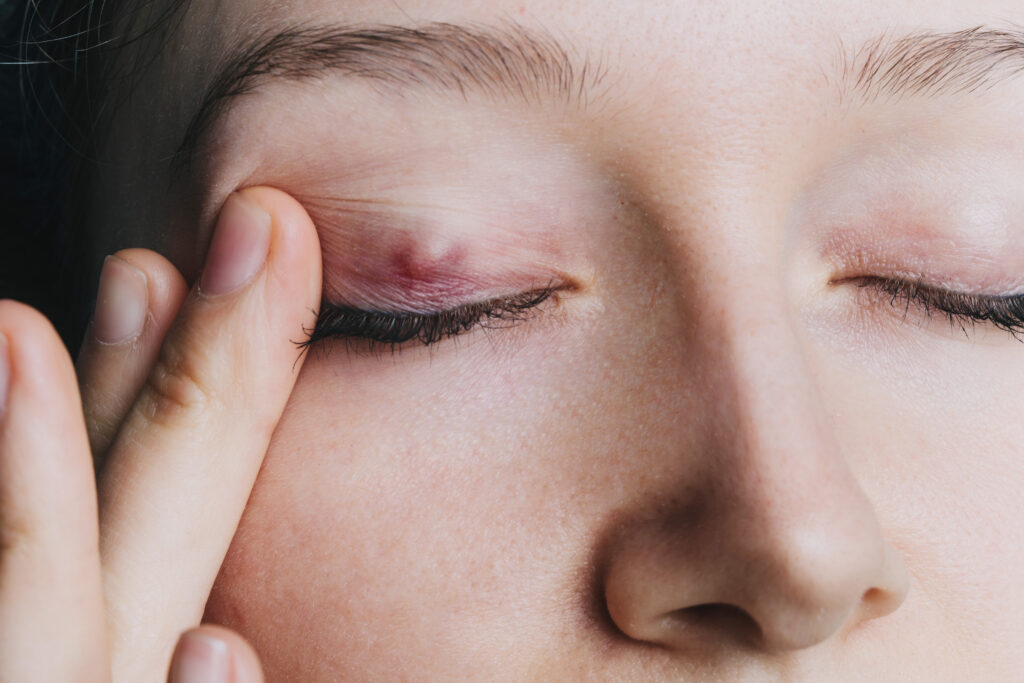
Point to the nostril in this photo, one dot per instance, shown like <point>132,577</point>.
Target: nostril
<point>877,602</point>
<point>719,622</point>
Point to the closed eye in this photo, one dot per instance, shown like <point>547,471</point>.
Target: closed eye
<point>958,308</point>
<point>393,329</point>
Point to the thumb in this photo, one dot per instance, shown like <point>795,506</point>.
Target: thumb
<point>214,654</point>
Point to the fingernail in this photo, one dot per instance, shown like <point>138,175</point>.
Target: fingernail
<point>239,247</point>
<point>200,659</point>
<point>121,303</point>
<point>5,373</point>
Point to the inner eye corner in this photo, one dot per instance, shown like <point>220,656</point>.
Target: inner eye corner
<point>564,283</point>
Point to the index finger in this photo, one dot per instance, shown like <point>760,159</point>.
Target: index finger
<point>184,462</point>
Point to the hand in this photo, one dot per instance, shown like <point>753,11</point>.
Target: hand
<point>181,392</point>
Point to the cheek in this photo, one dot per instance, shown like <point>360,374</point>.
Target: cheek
<point>935,442</point>
<point>448,499</point>
<point>412,505</point>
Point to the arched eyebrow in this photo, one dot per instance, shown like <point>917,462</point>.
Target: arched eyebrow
<point>929,64</point>
<point>505,61</point>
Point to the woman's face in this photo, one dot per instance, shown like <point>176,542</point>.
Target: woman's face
<point>753,431</point>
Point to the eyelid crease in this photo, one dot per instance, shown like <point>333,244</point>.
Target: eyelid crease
<point>953,266</point>
<point>1012,289</point>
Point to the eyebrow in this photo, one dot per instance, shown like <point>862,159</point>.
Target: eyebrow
<point>929,64</point>
<point>511,61</point>
<point>506,61</point>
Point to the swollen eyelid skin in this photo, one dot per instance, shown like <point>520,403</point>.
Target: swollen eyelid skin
<point>399,277</point>
<point>375,265</point>
<point>388,280</point>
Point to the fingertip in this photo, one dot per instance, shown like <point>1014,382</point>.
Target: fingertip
<point>46,478</point>
<point>288,214</point>
<point>139,296</point>
<point>214,653</point>
<point>295,246</point>
<point>16,316</point>
<point>38,362</point>
<point>167,287</point>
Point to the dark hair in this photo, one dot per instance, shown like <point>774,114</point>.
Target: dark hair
<point>59,64</point>
<point>34,156</point>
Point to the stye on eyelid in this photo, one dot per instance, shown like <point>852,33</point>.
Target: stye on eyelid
<point>402,261</point>
<point>403,272</point>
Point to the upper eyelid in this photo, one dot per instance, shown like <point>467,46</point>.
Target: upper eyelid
<point>932,283</point>
<point>923,286</point>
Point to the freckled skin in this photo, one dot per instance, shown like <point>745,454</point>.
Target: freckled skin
<point>710,462</point>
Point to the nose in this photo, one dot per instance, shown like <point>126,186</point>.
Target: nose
<point>762,538</point>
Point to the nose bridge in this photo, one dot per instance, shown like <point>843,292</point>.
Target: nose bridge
<point>791,512</point>
<point>769,428</point>
<point>776,526</point>
<point>766,423</point>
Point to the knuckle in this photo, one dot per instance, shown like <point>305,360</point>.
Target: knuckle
<point>176,389</point>
<point>15,537</point>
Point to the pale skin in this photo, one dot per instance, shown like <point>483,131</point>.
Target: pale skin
<point>712,454</point>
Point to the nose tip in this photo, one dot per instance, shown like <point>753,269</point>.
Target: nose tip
<point>777,592</point>
<point>823,583</point>
<point>796,625</point>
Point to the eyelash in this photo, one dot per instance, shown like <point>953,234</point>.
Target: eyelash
<point>960,310</point>
<point>395,329</point>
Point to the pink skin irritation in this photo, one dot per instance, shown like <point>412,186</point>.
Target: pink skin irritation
<point>400,271</point>
<point>387,258</point>
<point>406,277</point>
